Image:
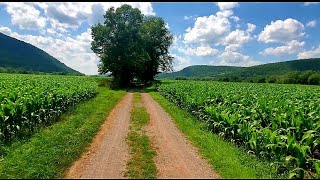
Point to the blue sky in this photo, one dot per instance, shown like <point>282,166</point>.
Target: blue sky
<point>228,33</point>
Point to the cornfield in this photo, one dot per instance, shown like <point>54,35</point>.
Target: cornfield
<point>280,123</point>
<point>31,101</point>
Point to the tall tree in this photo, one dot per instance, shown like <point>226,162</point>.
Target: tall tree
<point>131,45</point>
<point>157,40</point>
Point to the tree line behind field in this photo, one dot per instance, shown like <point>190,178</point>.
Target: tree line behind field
<point>302,71</point>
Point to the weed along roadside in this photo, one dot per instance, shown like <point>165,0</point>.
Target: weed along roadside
<point>141,163</point>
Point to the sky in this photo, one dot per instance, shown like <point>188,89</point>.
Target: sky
<point>212,33</point>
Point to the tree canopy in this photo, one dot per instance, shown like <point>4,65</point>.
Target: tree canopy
<point>131,45</point>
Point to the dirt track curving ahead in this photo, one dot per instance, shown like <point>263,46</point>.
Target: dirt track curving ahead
<point>176,157</point>
<point>107,157</point>
<point>108,154</point>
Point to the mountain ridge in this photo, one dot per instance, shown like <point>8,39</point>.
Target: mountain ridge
<point>268,69</point>
<point>22,56</point>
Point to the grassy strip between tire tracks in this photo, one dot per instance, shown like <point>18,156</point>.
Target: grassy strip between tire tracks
<point>227,159</point>
<point>141,164</point>
<point>50,152</point>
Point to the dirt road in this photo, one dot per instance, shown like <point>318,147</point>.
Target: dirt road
<point>108,154</point>
<point>107,157</point>
<point>176,157</point>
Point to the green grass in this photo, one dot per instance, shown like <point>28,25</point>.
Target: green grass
<point>141,164</point>
<point>227,159</point>
<point>51,151</point>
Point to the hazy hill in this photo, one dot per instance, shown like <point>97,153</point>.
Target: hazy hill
<point>16,54</point>
<point>278,68</point>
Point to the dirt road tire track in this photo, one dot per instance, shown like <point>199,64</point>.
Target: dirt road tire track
<point>176,157</point>
<point>108,154</point>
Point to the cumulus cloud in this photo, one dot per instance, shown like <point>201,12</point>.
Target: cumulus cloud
<point>204,50</point>
<point>282,31</point>
<point>64,15</point>
<point>315,53</point>
<point>235,39</point>
<point>251,28</point>
<point>227,5</point>
<point>312,23</point>
<point>216,30</point>
<point>235,18</point>
<point>25,16</point>
<point>180,62</point>
<point>189,17</point>
<point>61,17</point>
<point>209,28</point>
<point>293,47</point>
<point>231,58</point>
<point>5,30</point>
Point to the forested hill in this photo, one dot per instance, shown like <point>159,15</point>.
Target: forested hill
<point>270,69</point>
<point>17,55</point>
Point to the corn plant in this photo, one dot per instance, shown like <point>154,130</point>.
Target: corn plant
<point>274,121</point>
<point>28,102</point>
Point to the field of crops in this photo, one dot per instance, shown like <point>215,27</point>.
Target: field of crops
<point>277,122</point>
<point>32,101</point>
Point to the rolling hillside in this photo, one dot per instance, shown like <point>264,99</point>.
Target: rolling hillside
<point>278,68</point>
<point>16,54</point>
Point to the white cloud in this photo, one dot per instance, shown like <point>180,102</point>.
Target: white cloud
<point>193,17</point>
<point>5,30</point>
<point>227,5</point>
<point>312,23</point>
<point>231,58</point>
<point>315,53</point>
<point>235,39</point>
<point>209,28</point>
<point>251,28</point>
<point>232,47</point>
<point>224,13</point>
<point>204,50</point>
<point>282,31</point>
<point>64,15</point>
<point>292,48</point>
<point>180,62</point>
<point>186,17</point>
<point>310,3</point>
<point>25,16</point>
<point>235,18</point>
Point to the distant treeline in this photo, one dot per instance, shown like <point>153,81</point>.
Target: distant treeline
<point>293,77</point>
<point>10,70</point>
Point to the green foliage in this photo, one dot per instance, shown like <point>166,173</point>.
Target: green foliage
<point>19,57</point>
<point>289,72</point>
<point>275,122</point>
<point>314,78</point>
<point>198,71</point>
<point>32,101</point>
<point>180,78</point>
<point>131,45</point>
